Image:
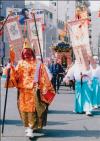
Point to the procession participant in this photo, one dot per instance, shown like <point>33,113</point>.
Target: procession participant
<point>83,92</point>
<point>29,77</point>
<point>53,71</point>
<point>96,83</point>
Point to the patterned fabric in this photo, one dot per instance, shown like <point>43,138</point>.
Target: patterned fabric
<point>28,119</point>
<point>45,84</point>
<point>26,75</point>
<point>27,100</point>
<point>25,72</point>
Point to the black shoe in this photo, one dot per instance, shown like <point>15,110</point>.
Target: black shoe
<point>37,130</point>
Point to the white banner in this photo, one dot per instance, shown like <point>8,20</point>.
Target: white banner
<point>13,30</point>
<point>14,35</point>
<point>33,35</point>
<point>79,35</point>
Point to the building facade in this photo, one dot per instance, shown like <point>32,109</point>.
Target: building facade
<point>95,33</point>
<point>64,11</point>
<point>48,13</point>
<point>10,3</point>
<point>50,30</point>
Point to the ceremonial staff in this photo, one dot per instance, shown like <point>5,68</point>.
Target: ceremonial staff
<point>4,112</point>
<point>12,57</point>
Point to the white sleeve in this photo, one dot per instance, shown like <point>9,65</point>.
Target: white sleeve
<point>69,75</point>
<point>36,76</point>
<point>71,72</point>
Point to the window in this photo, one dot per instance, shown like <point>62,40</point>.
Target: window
<point>51,16</point>
<point>0,4</point>
<point>54,3</point>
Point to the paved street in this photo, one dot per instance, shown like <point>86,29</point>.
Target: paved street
<point>63,124</point>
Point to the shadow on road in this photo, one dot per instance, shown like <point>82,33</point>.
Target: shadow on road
<point>12,122</point>
<point>96,112</point>
<point>56,123</point>
<point>19,122</point>
<point>60,112</point>
<point>51,133</point>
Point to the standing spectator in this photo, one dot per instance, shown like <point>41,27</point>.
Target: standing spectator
<point>54,72</point>
<point>57,72</point>
<point>60,74</point>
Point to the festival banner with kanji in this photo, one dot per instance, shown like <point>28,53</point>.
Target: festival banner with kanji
<point>80,41</point>
<point>33,35</point>
<point>14,35</point>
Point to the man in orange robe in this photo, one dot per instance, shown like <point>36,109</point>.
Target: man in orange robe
<point>29,76</point>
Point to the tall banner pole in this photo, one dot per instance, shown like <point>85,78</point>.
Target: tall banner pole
<point>33,15</point>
